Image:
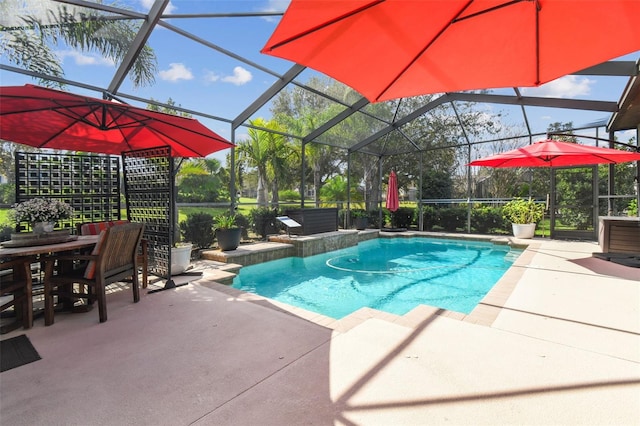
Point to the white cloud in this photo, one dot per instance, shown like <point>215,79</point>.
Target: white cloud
<point>176,71</point>
<point>12,10</point>
<point>146,4</point>
<point>626,135</point>
<point>569,86</point>
<point>82,59</point>
<point>211,76</point>
<point>275,6</point>
<point>240,76</point>
<point>241,137</point>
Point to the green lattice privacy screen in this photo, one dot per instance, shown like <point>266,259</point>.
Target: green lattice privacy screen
<point>89,183</point>
<point>148,182</point>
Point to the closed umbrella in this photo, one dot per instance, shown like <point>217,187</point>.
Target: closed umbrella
<point>552,153</point>
<point>388,49</point>
<point>392,192</point>
<point>47,118</point>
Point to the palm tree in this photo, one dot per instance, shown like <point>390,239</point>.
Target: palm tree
<point>278,166</point>
<point>335,190</point>
<point>254,152</point>
<point>31,42</point>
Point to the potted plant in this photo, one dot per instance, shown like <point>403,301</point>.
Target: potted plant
<point>523,215</point>
<point>180,254</point>
<point>228,233</point>
<point>360,218</point>
<point>41,213</point>
<point>196,231</point>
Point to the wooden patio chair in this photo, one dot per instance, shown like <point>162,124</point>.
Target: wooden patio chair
<point>16,285</point>
<point>94,228</point>
<point>114,258</point>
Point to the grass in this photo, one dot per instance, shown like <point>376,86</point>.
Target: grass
<point>4,216</point>
<point>183,212</point>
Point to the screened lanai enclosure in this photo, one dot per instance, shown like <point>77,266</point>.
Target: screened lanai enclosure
<point>298,131</point>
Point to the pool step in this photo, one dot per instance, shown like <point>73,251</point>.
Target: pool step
<point>512,256</point>
<point>250,254</point>
<point>220,272</point>
<point>222,277</point>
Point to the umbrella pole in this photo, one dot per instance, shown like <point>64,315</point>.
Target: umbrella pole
<point>347,216</point>
<point>380,192</point>
<point>420,206</point>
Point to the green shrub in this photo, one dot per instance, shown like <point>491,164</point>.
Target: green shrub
<point>632,208</point>
<point>575,218</point>
<point>359,213</point>
<point>198,229</point>
<point>7,193</point>
<point>6,230</point>
<point>402,218</point>
<point>289,195</point>
<point>263,221</point>
<point>243,223</point>
<point>374,217</point>
<point>485,218</point>
<point>429,217</point>
<point>452,218</point>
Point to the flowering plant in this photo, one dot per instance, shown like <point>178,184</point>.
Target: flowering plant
<point>41,210</point>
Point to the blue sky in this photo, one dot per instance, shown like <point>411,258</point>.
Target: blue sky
<point>198,78</point>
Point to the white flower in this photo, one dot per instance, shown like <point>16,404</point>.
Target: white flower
<point>41,210</point>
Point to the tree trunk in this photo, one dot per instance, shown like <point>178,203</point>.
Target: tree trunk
<point>371,188</point>
<point>275,198</point>
<point>262,192</point>
<point>316,185</point>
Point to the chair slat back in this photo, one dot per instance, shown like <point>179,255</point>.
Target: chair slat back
<point>120,248</point>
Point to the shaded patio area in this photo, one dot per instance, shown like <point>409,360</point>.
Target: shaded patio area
<point>562,347</point>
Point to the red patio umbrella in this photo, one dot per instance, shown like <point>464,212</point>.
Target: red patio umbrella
<point>551,153</point>
<point>392,192</point>
<point>47,118</point>
<point>388,49</point>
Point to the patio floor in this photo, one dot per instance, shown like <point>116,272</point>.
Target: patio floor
<point>557,342</point>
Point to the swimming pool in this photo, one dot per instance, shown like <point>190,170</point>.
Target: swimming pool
<point>389,274</point>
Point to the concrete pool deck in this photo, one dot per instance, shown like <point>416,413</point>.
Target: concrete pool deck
<point>557,342</point>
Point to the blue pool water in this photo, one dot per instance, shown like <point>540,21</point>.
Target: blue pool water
<point>389,274</point>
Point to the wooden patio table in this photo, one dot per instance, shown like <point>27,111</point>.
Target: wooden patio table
<point>46,252</point>
<point>83,241</point>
